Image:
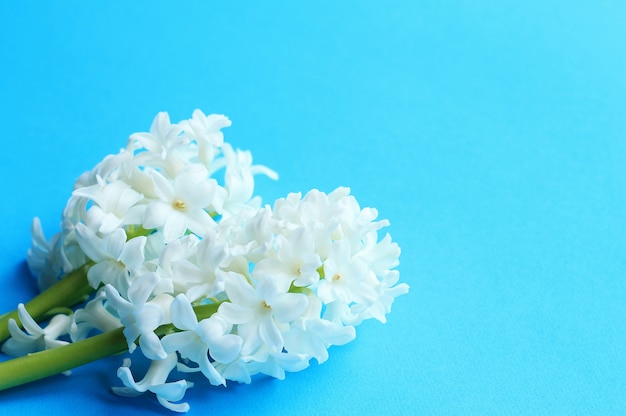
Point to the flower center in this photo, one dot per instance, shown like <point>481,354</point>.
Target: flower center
<point>266,306</point>
<point>336,277</point>
<point>179,204</point>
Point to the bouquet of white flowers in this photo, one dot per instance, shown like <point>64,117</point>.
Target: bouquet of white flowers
<point>163,246</point>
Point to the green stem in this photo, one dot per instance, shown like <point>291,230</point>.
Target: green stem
<point>47,363</point>
<point>69,291</point>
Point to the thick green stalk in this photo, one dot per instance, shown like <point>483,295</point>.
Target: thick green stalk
<point>67,292</point>
<point>47,363</point>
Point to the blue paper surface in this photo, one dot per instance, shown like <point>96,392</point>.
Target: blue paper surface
<point>491,134</point>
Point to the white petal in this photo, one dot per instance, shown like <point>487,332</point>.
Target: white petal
<point>142,288</point>
<point>161,123</point>
<point>175,226</point>
<point>178,341</point>
<point>151,346</point>
<point>266,288</point>
<point>172,392</point>
<point>127,197</point>
<point>148,317</point>
<point>216,122</point>
<point>235,314</point>
<point>19,335</point>
<point>135,215</point>
<point>340,251</point>
<point>133,253</point>
<point>131,333</point>
<point>156,214</point>
<point>249,332</point>
<point>175,407</point>
<point>162,187</point>
<point>239,291</point>
<point>319,351</point>
<point>59,325</point>
<point>201,193</point>
<point>106,271</point>
<point>108,222</point>
<point>269,333</point>
<point>124,374</point>
<point>28,322</point>
<point>38,237</point>
<point>21,343</point>
<point>182,314</point>
<point>210,372</point>
<point>226,348</point>
<point>332,333</point>
<point>89,242</point>
<point>236,371</point>
<point>264,170</point>
<point>288,306</point>
<point>123,307</point>
<point>398,290</point>
<point>202,291</point>
<point>113,243</point>
<point>291,362</point>
<point>199,221</point>
<point>342,293</point>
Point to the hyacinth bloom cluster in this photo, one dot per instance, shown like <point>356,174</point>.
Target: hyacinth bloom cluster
<point>197,274</point>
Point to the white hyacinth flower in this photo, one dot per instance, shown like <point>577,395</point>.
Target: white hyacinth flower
<point>199,340</point>
<point>196,271</point>
<point>387,291</point>
<point>269,361</point>
<point>259,311</point>
<point>115,205</point>
<point>116,259</point>
<point>107,169</point>
<point>93,317</point>
<point>162,136</point>
<point>44,260</point>
<point>182,203</point>
<point>239,177</point>
<point>155,381</point>
<point>294,261</point>
<point>34,338</point>
<point>312,336</point>
<point>347,278</point>
<point>140,317</point>
<point>206,131</point>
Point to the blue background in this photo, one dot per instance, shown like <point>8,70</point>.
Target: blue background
<point>492,134</point>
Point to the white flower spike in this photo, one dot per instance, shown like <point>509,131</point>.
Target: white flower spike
<point>185,263</point>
